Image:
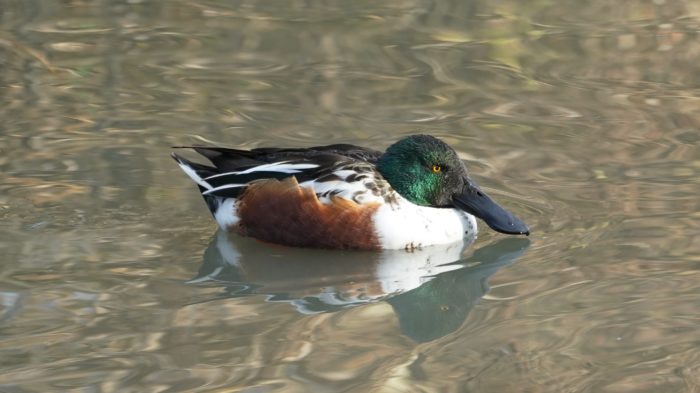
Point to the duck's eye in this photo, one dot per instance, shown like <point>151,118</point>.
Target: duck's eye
<point>437,168</point>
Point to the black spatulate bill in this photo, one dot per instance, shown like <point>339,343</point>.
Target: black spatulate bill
<point>474,201</point>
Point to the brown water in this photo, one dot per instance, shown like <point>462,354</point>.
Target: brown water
<point>584,119</point>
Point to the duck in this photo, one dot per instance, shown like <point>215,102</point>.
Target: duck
<point>417,193</point>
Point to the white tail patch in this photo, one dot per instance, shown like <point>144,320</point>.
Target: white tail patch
<point>226,215</point>
<point>282,167</point>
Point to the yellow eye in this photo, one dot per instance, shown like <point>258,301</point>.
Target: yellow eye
<point>437,169</point>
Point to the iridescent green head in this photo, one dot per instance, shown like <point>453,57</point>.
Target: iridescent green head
<point>423,169</point>
<point>427,172</point>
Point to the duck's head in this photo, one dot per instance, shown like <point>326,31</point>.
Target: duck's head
<point>428,172</point>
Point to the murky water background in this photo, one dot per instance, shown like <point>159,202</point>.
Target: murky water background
<point>583,119</point>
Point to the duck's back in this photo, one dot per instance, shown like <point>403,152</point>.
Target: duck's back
<point>226,159</point>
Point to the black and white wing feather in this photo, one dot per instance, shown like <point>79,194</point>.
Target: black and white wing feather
<point>344,171</point>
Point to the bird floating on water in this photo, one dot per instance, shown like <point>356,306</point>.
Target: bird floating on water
<point>416,193</point>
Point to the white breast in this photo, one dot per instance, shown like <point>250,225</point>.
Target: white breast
<point>404,225</point>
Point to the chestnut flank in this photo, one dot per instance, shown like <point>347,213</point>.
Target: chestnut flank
<point>284,213</point>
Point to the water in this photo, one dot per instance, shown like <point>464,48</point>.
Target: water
<point>583,120</point>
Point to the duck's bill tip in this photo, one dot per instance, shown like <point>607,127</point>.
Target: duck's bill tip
<point>476,202</point>
<point>525,231</point>
<point>511,227</point>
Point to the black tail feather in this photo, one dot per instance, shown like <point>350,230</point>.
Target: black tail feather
<point>201,169</point>
<point>225,159</point>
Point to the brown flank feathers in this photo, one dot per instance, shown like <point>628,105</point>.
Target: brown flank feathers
<point>284,213</point>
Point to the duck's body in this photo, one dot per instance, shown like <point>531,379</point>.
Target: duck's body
<point>338,196</point>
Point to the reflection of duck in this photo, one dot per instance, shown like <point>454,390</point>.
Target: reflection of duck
<point>441,305</point>
<point>417,193</point>
<point>431,289</point>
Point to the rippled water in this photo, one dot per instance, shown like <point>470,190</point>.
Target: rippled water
<point>582,119</point>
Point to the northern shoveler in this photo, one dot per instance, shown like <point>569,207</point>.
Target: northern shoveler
<point>342,196</point>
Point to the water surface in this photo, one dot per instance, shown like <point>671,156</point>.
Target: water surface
<point>584,120</point>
